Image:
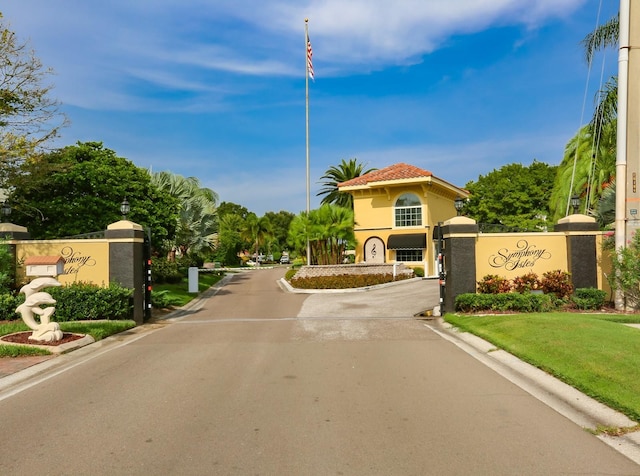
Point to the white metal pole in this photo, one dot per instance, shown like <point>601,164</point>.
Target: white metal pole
<point>621,139</point>
<point>306,76</point>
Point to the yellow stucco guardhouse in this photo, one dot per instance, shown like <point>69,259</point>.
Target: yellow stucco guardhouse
<point>396,209</point>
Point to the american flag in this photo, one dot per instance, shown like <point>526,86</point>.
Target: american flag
<point>309,56</point>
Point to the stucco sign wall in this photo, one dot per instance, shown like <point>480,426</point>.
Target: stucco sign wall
<point>512,255</point>
<point>85,260</point>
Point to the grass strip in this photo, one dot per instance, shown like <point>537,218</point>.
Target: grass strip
<point>178,293</point>
<point>594,353</point>
<point>98,330</point>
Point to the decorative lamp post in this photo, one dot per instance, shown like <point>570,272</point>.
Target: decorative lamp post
<point>125,208</point>
<point>458,203</point>
<point>6,209</point>
<point>575,203</point>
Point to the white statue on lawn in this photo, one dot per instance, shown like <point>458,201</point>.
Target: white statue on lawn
<point>45,330</point>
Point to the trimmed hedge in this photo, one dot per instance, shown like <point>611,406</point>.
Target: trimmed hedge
<point>526,302</point>
<point>583,299</point>
<point>80,301</point>
<point>344,281</point>
<point>589,298</point>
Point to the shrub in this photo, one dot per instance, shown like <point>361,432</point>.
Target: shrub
<point>344,281</point>
<point>526,283</point>
<point>625,274</point>
<point>163,299</point>
<point>165,271</point>
<point>418,271</point>
<point>7,268</point>
<point>84,301</point>
<point>290,274</point>
<point>557,282</point>
<point>514,302</point>
<point>589,298</point>
<point>494,284</point>
<point>8,305</point>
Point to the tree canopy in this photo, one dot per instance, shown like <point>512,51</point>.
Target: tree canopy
<point>329,230</point>
<point>513,196</point>
<point>29,116</point>
<point>83,193</point>
<point>338,174</point>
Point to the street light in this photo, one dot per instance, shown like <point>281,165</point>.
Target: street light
<point>575,203</point>
<point>458,203</point>
<point>124,208</point>
<point>6,209</point>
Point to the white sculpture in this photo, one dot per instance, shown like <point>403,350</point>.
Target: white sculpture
<point>45,330</point>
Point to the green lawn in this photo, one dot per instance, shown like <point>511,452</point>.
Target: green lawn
<point>178,294</point>
<point>98,330</point>
<point>594,353</point>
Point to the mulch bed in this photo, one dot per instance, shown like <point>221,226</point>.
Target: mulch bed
<point>23,338</point>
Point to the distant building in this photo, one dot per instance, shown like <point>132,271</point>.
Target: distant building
<point>396,209</point>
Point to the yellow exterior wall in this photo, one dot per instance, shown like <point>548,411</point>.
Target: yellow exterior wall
<point>374,215</point>
<point>86,260</point>
<point>514,254</point>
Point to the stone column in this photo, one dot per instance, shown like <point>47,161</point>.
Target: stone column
<point>126,261</point>
<point>582,255</point>
<point>460,235</point>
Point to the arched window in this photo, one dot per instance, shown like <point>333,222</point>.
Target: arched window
<point>408,210</point>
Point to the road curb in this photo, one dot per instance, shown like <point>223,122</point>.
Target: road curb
<point>561,397</point>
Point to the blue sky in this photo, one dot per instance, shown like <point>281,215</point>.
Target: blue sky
<point>216,88</point>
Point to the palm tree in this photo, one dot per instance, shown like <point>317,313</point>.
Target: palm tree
<point>335,175</point>
<point>329,230</point>
<point>588,166</point>
<point>591,160</point>
<point>604,36</point>
<point>256,230</point>
<point>197,218</point>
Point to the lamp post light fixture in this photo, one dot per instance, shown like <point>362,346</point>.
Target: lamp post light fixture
<point>458,203</point>
<point>6,209</point>
<point>125,208</point>
<point>575,203</point>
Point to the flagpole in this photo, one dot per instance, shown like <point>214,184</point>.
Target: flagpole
<point>306,76</point>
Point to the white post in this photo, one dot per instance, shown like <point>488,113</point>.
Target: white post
<point>306,77</point>
<point>621,150</point>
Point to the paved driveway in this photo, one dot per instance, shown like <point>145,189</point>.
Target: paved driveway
<point>251,381</point>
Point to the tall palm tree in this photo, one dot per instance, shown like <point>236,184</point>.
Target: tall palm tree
<point>338,174</point>
<point>604,36</point>
<point>595,166</point>
<point>588,165</point>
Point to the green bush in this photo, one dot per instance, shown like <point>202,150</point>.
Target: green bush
<point>165,271</point>
<point>418,271</point>
<point>83,301</point>
<point>557,282</point>
<point>526,283</point>
<point>625,274</point>
<point>8,305</point>
<point>7,268</point>
<point>290,274</point>
<point>344,281</point>
<point>516,302</point>
<point>163,299</point>
<point>589,298</point>
<point>494,284</point>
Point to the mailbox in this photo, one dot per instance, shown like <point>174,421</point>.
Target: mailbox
<point>44,265</point>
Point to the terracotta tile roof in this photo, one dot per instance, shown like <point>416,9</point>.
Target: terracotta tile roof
<point>393,172</point>
<point>43,260</point>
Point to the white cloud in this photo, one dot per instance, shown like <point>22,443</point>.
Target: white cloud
<point>194,44</point>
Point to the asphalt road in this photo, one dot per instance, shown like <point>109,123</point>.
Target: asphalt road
<point>240,384</point>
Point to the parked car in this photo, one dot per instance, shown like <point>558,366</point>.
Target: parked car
<point>284,259</point>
